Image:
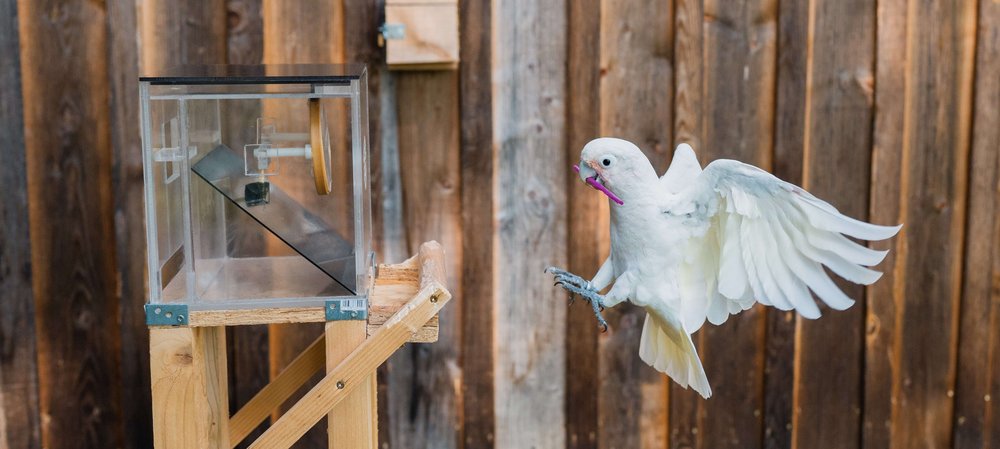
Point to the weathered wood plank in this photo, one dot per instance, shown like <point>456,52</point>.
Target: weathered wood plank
<point>182,33</point>
<point>248,345</point>
<point>836,143</point>
<point>977,393</point>
<point>173,34</point>
<point>529,133</point>
<point>424,398</point>
<point>588,235</point>
<point>130,232</point>
<point>477,161</point>
<point>65,77</point>
<point>361,21</point>
<point>937,106</point>
<point>737,121</point>
<point>306,32</point>
<point>689,96</point>
<point>248,362</point>
<point>635,104</point>
<point>19,419</point>
<point>793,29</point>
<point>886,295</point>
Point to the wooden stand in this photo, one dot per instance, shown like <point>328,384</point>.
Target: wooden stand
<point>190,383</point>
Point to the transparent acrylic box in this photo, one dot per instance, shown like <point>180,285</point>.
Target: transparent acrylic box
<point>256,187</point>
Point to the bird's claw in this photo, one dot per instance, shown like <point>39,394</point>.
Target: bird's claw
<point>576,285</point>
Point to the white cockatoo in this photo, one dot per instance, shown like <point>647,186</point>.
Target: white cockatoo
<point>705,244</point>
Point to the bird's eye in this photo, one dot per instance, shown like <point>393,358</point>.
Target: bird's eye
<point>606,162</point>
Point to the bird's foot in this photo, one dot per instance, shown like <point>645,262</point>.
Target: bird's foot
<point>577,285</point>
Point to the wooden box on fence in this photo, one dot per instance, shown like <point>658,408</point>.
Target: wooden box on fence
<point>421,34</point>
<point>258,211</point>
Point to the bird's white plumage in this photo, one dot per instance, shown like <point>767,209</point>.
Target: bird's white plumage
<point>696,245</point>
<point>758,237</point>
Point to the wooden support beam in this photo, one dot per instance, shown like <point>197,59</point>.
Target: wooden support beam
<point>356,368</point>
<point>352,423</point>
<point>392,282</point>
<point>188,378</point>
<point>277,392</point>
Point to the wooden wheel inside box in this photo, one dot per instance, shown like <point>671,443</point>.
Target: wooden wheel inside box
<point>189,377</point>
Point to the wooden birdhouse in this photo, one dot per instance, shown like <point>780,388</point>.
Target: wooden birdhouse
<point>258,211</point>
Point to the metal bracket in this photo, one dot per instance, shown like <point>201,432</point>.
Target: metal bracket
<point>166,314</point>
<point>346,309</point>
<point>393,31</point>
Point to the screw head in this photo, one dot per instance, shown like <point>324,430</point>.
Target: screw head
<point>340,385</point>
<point>180,318</point>
<point>434,298</point>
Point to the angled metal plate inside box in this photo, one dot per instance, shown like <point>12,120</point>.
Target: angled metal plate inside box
<point>346,309</point>
<point>167,314</point>
<point>289,221</point>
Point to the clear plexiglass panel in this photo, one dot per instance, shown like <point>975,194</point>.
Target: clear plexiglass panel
<point>257,192</point>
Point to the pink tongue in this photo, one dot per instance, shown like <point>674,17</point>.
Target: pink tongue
<point>593,183</point>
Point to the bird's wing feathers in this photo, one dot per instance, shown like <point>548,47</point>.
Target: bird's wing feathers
<point>684,169</point>
<point>760,238</point>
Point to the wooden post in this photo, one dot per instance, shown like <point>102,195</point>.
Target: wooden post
<point>353,422</point>
<point>190,394</point>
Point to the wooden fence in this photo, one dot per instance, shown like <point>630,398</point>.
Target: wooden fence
<point>890,109</point>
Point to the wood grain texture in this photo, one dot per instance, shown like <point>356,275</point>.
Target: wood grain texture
<point>123,70</point>
<point>272,395</point>
<point>306,32</point>
<point>789,128</point>
<point>361,21</point>
<point>885,297</point>
<point>358,366</point>
<point>587,223</point>
<point>248,345</point>
<point>213,32</point>
<point>423,393</point>
<point>188,378</point>
<point>937,114</point>
<point>478,167</point>
<point>176,33</point>
<point>737,119</point>
<point>529,134</point>
<point>431,36</point>
<point>689,97</point>
<point>977,393</point>
<point>354,422</point>
<point>19,419</point>
<point>65,75</point>
<point>838,122</point>
<point>636,94</point>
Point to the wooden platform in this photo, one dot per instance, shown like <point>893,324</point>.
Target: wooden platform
<point>394,285</point>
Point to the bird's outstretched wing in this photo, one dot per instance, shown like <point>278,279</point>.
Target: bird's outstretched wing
<point>756,237</point>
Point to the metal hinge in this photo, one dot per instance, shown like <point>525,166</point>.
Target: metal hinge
<point>346,309</point>
<point>166,314</point>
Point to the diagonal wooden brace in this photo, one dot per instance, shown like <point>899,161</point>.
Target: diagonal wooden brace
<point>362,362</point>
<point>256,410</point>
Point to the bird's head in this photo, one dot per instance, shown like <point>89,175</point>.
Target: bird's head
<point>614,166</point>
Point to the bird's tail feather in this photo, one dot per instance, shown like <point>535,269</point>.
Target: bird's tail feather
<point>672,352</point>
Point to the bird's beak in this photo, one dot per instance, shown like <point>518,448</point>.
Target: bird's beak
<point>589,175</point>
<point>586,171</point>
